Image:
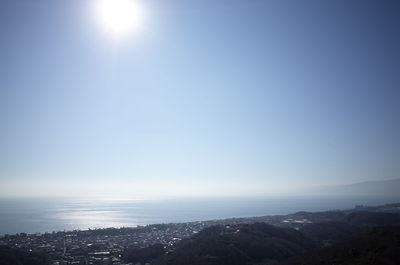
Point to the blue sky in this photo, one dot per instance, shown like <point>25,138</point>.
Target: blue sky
<point>207,98</point>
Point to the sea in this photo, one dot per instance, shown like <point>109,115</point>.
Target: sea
<point>34,215</point>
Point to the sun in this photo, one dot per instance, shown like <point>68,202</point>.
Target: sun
<point>120,17</point>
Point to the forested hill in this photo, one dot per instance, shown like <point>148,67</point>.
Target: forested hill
<point>380,246</point>
<point>238,245</point>
<point>359,238</point>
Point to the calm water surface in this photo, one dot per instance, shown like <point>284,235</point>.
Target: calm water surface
<point>45,215</point>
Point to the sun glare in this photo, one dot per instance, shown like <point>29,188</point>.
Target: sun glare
<point>120,17</point>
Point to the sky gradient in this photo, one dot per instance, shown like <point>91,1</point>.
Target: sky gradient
<point>222,98</point>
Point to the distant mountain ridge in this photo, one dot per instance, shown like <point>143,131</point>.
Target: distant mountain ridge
<point>378,188</point>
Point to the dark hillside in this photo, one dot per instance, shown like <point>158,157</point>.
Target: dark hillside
<point>238,245</point>
<point>9,256</point>
<point>373,218</point>
<point>330,231</point>
<point>380,246</point>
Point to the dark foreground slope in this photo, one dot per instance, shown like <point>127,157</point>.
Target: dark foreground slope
<point>9,256</point>
<point>380,246</point>
<point>238,245</point>
<point>350,225</point>
<point>361,238</point>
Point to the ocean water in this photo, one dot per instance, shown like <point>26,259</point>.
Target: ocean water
<point>46,215</point>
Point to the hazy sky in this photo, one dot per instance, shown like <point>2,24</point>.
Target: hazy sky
<point>227,97</point>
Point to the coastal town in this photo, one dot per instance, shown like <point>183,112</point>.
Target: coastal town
<point>107,246</point>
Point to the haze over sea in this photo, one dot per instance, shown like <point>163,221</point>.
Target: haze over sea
<point>56,214</point>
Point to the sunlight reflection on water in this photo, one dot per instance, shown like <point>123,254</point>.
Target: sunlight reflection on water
<point>41,215</point>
